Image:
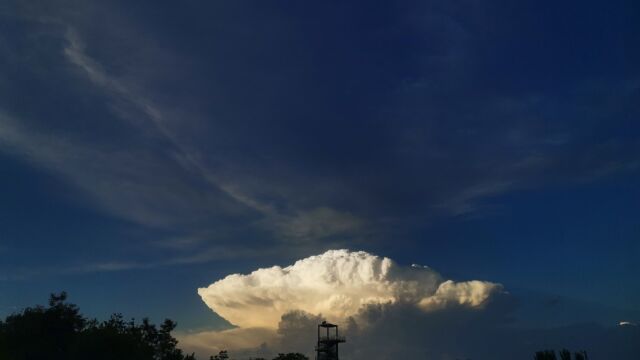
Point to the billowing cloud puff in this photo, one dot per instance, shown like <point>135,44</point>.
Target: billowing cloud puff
<point>386,311</point>
<point>469,293</point>
<point>336,284</point>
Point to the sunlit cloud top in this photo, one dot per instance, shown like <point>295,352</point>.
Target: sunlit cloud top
<point>336,284</point>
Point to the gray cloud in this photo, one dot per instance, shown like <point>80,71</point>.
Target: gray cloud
<point>390,331</point>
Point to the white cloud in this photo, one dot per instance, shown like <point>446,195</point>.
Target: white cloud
<point>336,284</point>
<point>627,323</point>
<point>469,293</point>
<point>339,285</point>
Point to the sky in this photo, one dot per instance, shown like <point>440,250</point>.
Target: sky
<point>151,149</point>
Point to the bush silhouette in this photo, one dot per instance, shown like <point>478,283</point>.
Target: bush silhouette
<point>60,332</point>
<point>545,355</point>
<point>564,355</point>
<point>291,356</point>
<point>222,355</point>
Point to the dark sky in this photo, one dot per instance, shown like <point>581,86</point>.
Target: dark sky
<point>149,148</point>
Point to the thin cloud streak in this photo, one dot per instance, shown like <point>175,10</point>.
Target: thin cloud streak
<point>214,253</point>
<point>298,226</point>
<point>403,150</point>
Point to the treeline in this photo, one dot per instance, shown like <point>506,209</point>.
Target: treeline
<point>60,332</point>
<point>224,355</point>
<point>564,354</point>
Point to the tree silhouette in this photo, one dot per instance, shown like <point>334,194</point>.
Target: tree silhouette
<point>291,356</point>
<point>60,332</point>
<point>545,355</point>
<point>42,333</point>
<point>564,355</point>
<point>581,355</point>
<point>222,355</point>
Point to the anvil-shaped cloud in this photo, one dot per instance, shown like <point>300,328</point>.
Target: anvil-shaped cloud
<point>337,284</point>
<point>386,311</point>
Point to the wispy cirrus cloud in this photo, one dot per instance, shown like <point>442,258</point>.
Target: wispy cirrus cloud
<point>166,134</point>
<point>295,225</point>
<point>129,183</point>
<point>161,187</point>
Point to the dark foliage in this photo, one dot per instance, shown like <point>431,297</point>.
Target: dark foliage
<point>581,355</point>
<point>291,356</point>
<point>60,332</point>
<point>222,355</point>
<point>545,355</point>
<point>564,355</point>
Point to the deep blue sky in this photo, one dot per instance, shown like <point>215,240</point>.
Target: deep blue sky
<point>150,148</point>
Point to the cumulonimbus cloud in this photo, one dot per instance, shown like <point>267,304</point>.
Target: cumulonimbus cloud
<point>337,284</point>
<point>386,311</point>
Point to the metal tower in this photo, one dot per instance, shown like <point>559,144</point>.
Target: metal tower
<point>327,348</point>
